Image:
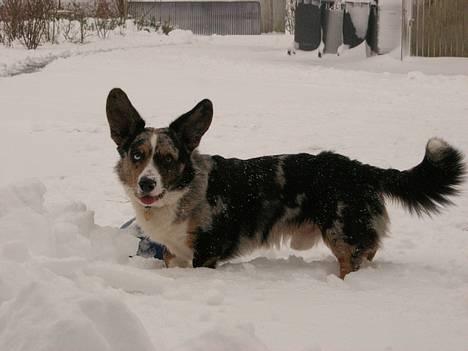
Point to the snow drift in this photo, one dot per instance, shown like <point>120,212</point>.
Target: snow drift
<point>48,300</point>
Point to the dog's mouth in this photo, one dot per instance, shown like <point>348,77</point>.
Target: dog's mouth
<point>148,200</point>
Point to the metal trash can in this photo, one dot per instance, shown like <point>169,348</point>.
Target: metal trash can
<point>355,23</point>
<point>332,27</point>
<point>308,28</point>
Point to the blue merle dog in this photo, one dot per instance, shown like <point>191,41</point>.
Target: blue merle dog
<point>208,209</point>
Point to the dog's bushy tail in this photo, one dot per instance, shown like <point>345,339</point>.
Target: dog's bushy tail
<point>426,188</point>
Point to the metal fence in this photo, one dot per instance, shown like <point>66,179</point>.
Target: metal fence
<point>214,17</point>
<point>435,27</point>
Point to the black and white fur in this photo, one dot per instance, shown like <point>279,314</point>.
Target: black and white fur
<point>207,209</point>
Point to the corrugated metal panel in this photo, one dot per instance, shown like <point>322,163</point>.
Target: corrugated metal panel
<point>205,18</point>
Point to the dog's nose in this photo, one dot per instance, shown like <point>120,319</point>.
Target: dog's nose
<point>147,185</point>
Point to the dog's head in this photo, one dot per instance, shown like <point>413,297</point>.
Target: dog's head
<point>155,164</point>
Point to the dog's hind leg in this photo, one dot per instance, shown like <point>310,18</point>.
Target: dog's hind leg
<point>343,253</point>
<point>355,233</point>
<point>351,248</point>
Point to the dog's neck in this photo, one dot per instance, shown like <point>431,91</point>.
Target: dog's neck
<point>195,195</point>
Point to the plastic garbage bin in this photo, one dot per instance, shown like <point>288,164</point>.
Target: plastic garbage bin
<point>385,26</point>
<point>355,23</point>
<point>308,29</point>
<point>332,27</point>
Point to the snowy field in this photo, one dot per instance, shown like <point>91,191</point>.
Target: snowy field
<point>66,279</point>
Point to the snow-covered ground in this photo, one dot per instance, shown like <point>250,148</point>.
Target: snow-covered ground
<point>66,281</point>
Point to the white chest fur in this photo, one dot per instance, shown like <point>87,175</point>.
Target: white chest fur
<point>159,225</point>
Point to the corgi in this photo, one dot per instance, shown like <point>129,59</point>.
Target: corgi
<point>208,209</point>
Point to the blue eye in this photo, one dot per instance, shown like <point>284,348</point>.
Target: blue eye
<point>137,156</point>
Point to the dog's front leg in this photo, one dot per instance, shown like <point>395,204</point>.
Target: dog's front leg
<point>172,260</point>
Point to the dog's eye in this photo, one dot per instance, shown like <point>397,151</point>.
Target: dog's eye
<point>168,159</point>
<point>137,156</point>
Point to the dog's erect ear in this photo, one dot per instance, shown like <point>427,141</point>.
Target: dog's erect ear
<point>124,121</point>
<point>191,126</point>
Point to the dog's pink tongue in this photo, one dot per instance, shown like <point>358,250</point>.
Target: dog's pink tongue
<point>147,200</point>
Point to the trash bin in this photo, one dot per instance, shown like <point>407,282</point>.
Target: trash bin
<point>308,29</point>
<point>332,23</point>
<point>355,23</point>
<point>385,26</point>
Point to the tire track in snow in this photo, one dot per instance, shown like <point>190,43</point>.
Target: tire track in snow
<point>32,64</point>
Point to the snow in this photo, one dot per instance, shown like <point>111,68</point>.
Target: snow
<point>67,281</point>
<point>16,60</point>
<point>51,261</point>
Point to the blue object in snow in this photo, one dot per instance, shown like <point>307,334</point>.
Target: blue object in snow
<point>146,248</point>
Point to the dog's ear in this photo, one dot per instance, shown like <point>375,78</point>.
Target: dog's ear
<point>191,126</point>
<point>124,120</point>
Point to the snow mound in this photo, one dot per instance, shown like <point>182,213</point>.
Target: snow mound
<point>179,36</point>
<point>51,316</point>
<point>66,231</point>
<point>237,338</point>
<point>49,278</point>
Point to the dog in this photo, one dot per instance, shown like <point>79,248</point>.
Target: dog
<point>209,209</point>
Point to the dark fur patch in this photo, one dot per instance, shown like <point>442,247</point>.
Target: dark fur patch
<point>327,190</point>
<point>172,160</point>
<point>344,198</point>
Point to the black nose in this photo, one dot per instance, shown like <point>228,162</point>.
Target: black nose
<point>147,185</point>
